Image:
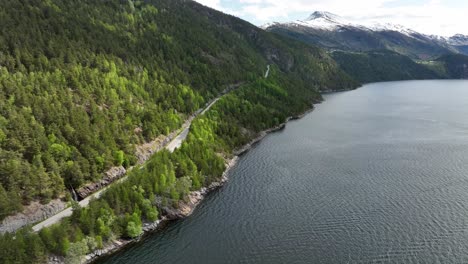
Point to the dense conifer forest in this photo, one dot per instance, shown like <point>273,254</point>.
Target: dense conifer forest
<point>384,65</point>
<point>83,82</point>
<point>77,79</point>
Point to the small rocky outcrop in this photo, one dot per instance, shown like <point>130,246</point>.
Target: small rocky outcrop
<point>55,260</point>
<point>145,151</point>
<point>111,247</point>
<point>35,212</point>
<point>110,176</point>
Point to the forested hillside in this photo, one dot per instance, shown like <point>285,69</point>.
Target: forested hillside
<point>375,66</point>
<point>83,82</point>
<point>456,65</point>
<point>379,52</point>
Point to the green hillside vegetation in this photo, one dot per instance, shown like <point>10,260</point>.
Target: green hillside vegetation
<point>377,66</point>
<point>456,65</point>
<point>80,80</point>
<point>167,178</point>
<point>435,66</point>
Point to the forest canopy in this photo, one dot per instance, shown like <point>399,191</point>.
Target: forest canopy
<point>83,82</point>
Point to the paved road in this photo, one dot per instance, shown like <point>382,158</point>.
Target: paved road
<point>177,141</point>
<point>68,211</point>
<point>173,145</point>
<point>54,219</point>
<point>210,105</point>
<point>267,71</point>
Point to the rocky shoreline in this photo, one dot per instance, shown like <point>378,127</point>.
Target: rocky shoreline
<point>264,133</point>
<point>186,208</point>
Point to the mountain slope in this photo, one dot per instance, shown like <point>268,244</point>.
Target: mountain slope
<point>85,82</point>
<point>458,41</point>
<point>456,65</point>
<point>333,32</point>
<point>374,66</point>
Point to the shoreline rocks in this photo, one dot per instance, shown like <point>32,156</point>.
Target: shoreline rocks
<point>185,209</point>
<point>194,199</point>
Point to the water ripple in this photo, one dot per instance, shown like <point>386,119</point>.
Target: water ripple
<point>376,175</point>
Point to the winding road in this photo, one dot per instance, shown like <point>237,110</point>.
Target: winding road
<point>171,146</point>
<point>68,211</point>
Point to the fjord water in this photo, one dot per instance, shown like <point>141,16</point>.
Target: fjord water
<point>379,174</point>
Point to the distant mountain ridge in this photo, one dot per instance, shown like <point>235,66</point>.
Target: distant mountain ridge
<point>331,31</point>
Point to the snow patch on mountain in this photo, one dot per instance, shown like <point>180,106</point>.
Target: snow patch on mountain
<point>325,21</point>
<point>458,40</point>
<point>392,27</point>
<point>322,20</point>
<point>267,25</point>
<point>328,21</point>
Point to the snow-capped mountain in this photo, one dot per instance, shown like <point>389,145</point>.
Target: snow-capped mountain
<point>458,40</point>
<point>328,21</point>
<point>332,31</point>
<point>392,27</point>
<point>319,20</point>
<point>324,20</point>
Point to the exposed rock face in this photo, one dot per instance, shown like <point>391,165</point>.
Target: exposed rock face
<point>111,175</point>
<point>145,151</point>
<point>112,247</point>
<point>55,260</point>
<point>32,213</point>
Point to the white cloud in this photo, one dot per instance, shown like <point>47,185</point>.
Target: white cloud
<point>442,17</point>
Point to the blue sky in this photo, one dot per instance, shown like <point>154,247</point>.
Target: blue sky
<point>441,17</point>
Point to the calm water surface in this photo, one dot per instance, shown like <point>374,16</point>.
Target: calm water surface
<point>376,175</point>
